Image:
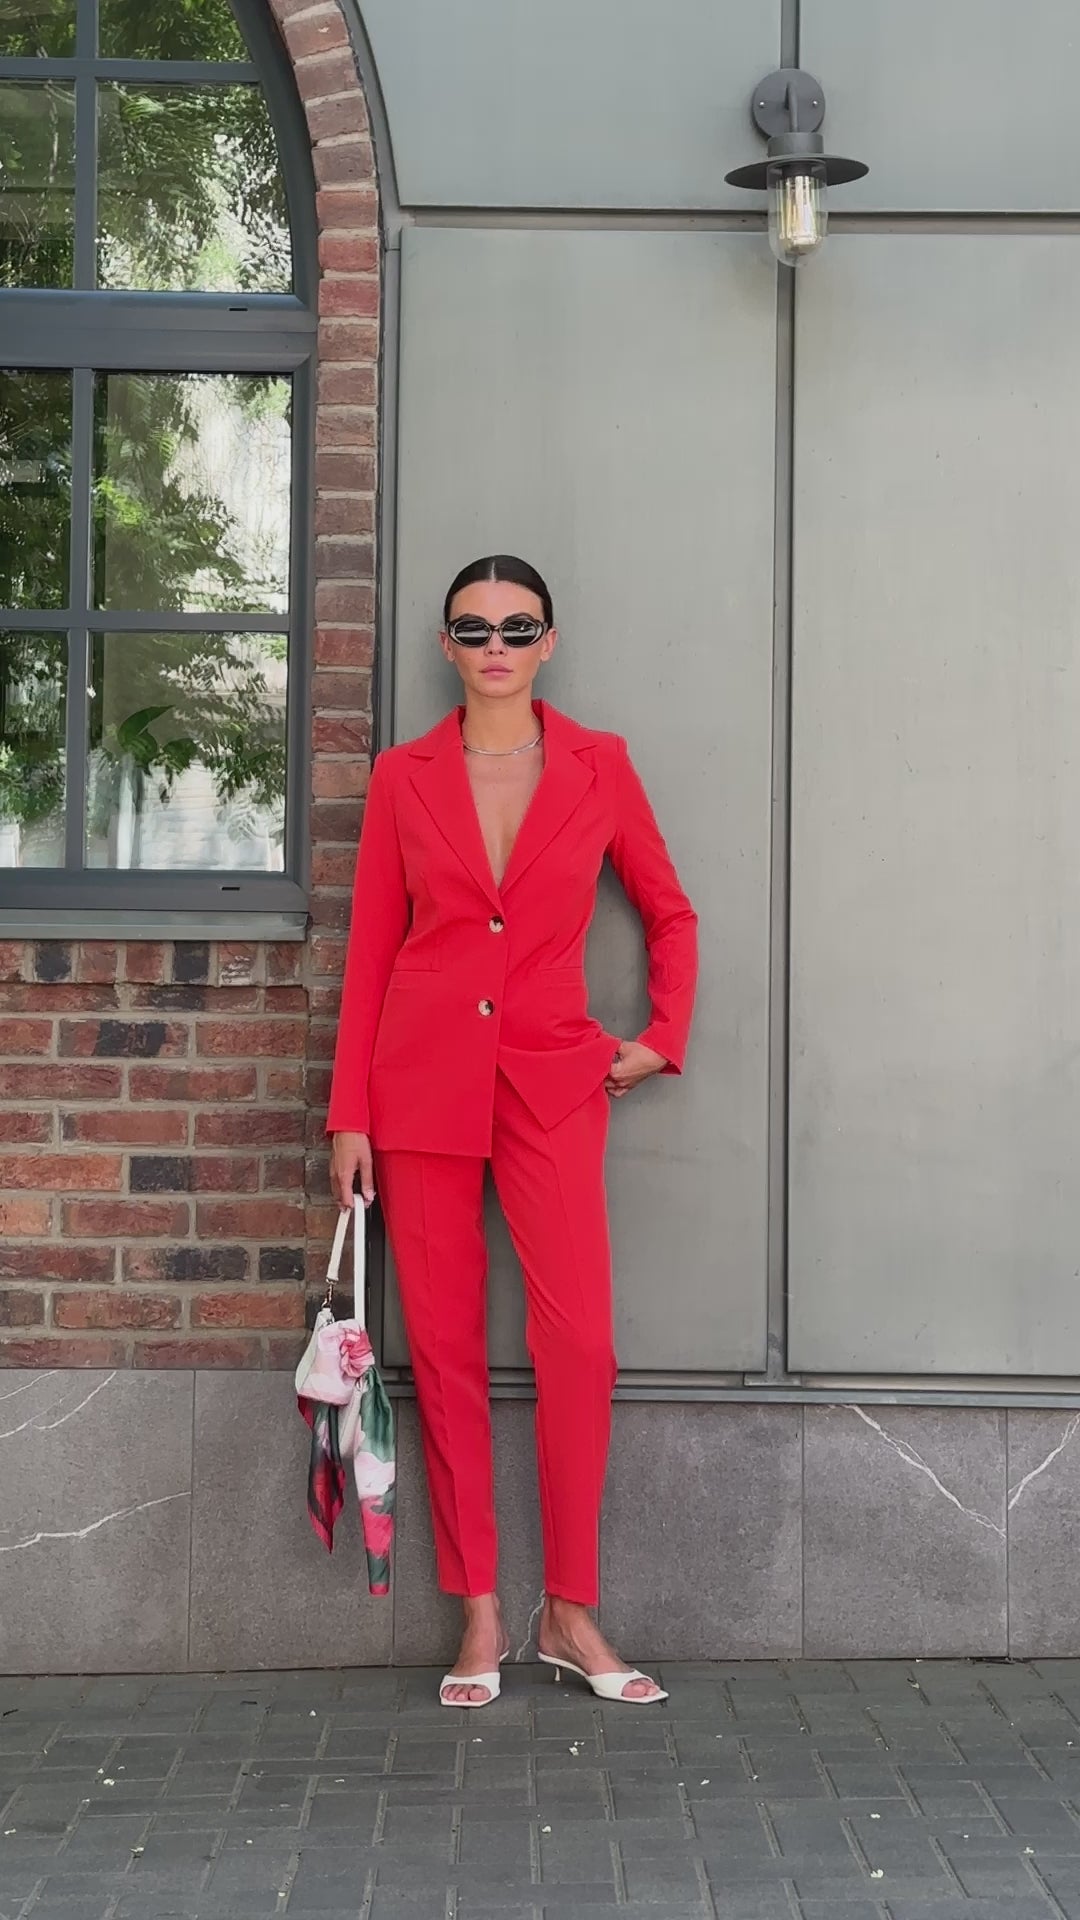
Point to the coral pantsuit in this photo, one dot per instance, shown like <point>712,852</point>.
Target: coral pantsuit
<point>465,1038</point>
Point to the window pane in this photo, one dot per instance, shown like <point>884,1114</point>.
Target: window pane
<point>191,492</point>
<point>33,678</point>
<point>190,194</point>
<point>32,27</point>
<point>35,488</point>
<point>37,184</point>
<point>187,751</point>
<point>164,30</point>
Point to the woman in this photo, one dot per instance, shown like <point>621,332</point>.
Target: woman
<point>465,1038</point>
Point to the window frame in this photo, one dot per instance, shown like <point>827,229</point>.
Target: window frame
<point>83,331</point>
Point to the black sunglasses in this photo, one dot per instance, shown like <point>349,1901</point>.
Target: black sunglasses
<point>517,630</point>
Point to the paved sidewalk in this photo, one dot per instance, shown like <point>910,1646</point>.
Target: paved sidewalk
<point>932,1790</point>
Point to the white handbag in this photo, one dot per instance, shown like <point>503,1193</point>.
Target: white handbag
<point>339,1353</point>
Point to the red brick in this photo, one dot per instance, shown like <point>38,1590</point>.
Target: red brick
<point>317,1081</point>
<point>333,867</point>
<point>348,647</point>
<point>342,385</point>
<point>348,252</point>
<point>59,1083</point>
<point>123,1127</point>
<point>334,114</point>
<point>350,341</point>
<point>42,996</point>
<point>318,32</point>
<point>336,822</point>
<point>25,1037</point>
<point>193,999</point>
<point>187,1265</point>
<point>322,76</point>
<point>224,1173</point>
<point>193,1083</point>
<point>333,779</point>
<point>347,427</point>
<point>322,1037</point>
<point>30,1129</point>
<point>285,999</point>
<point>250,1219</point>
<point>343,161</point>
<point>21,1308</point>
<point>331,910</point>
<point>123,1039</point>
<point>346,513</point>
<point>56,1351</point>
<point>199,1354</point>
<point>283,1173</point>
<point>347,207</point>
<point>284,961</point>
<point>342,558</point>
<point>97,960</point>
<point>254,1127</point>
<point>244,1039</point>
<point>283,1355</point>
<point>264,1308</point>
<point>238,962</point>
<point>284,1083</point>
<point>62,1172</point>
<point>337,735</point>
<point>119,1307</point>
<point>144,960</point>
<point>124,1219</point>
<point>12,955</point>
<point>345,469</point>
<point>50,1261</point>
<point>327,956</point>
<point>349,294</point>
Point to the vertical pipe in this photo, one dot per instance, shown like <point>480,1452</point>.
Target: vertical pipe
<point>780,822</point>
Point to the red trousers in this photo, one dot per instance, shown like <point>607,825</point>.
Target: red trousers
<point>551,1189</point>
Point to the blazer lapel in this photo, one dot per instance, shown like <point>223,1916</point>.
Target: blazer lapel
<point>442,783</point>
<point>563,785</point>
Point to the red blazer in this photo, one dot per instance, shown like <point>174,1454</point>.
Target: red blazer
<point>449,977</point>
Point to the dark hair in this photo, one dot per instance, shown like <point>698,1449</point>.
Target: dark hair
<point>502,566</point>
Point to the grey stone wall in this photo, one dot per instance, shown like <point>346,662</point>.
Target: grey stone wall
<point>157,1522</point>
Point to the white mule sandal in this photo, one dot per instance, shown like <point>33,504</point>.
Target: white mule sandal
<point>606,1686</point>
<point>492,1681</point>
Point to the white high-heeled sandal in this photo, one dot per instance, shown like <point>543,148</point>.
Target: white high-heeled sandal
<point>492,1681</point>
<point>607,1686</point>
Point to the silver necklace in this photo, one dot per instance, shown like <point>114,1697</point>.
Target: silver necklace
<point>503,753</point>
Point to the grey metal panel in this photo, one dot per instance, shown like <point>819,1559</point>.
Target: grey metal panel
<point>573,103</point>
<point>602,402</point>
<point>935,1210</point>
<point>961,106</point>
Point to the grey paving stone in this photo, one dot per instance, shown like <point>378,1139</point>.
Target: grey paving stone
<point>368,1798</point>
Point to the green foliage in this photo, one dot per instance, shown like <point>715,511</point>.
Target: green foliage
<point>190,197</point>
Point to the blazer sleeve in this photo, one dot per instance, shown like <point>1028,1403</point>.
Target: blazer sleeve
<point>379,923</point>
<point>648,876</point>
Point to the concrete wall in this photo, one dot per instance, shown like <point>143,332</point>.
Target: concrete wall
<point>156,1524</point>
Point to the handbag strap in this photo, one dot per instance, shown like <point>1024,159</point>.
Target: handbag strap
<point>357,1213</point>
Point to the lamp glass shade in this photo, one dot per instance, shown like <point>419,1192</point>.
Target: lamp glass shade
<point>798,216</point>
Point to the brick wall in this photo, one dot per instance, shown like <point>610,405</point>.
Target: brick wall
<point>163,1170</point>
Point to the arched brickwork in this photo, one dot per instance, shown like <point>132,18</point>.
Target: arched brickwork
<point>163,1190</point>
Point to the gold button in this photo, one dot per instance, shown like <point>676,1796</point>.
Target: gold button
<point>496,924</point>
<point>485,1007</point>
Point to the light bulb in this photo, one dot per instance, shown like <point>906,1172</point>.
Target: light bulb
<point>797,213</point>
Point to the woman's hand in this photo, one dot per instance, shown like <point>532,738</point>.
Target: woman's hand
<point>632,1064</point>
<point>351,1155</point>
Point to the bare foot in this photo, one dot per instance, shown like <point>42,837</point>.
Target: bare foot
<point>569,1632</point>
<point>484,1643</point>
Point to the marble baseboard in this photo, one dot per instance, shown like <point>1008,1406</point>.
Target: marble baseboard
<point>156,1522</point>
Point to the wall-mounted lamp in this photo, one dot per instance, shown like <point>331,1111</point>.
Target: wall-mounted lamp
<point>788,108</point>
